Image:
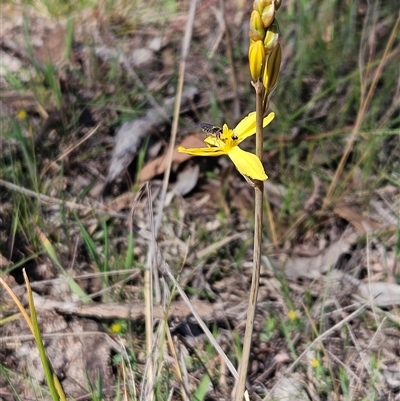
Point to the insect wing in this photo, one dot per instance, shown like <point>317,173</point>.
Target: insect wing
<point>211,129</point>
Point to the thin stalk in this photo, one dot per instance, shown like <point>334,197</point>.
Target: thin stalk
<point>174,129</point>
<point>55,389</point>
<point>255,279</point>
<point>235,86</point>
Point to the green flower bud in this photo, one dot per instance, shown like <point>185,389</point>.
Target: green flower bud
<point>272,68</point>
<point>256,59</point>
<point>257,30</point>
<point>271,37</point>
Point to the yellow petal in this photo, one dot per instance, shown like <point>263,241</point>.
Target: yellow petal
<point>247,127</point>
<point>247,164</point>
<point>268,119</point>
<point>201,151</point>
<point>215,142</point>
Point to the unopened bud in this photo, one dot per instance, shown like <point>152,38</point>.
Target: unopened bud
<point>257,30</point>
<point>256,59</point>
<point>259,5</point>
<point>272,68</point>
<point>271,39</point>
<point>268,15</point>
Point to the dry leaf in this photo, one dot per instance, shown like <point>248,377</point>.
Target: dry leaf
<point>4,262</point>
<point>131,134</point>
<point>186,181</point>
<point>282,357</point>
<point>383,294</point>
<point>158,165</point>
<point>392,377</point>
<point>361,223</point>
<point>52,46</point>
<point>315,267</point>
<point>289,389</point>
<point>128,139</point>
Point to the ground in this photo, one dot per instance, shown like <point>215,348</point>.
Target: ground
<point>88,96</point>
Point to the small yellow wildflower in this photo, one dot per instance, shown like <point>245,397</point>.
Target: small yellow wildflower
<point>116,328</point>
<point>21,115</point>
<point>314,363</point>
<point>248,164</point>
<point>292,315</point>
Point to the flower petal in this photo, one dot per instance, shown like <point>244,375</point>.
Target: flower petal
<point>214,142</point>
<point>268,119</point>
<point>247,127</point>
<point>201,151</point>
<point>247,164</point>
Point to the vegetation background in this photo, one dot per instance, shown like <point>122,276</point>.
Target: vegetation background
<point>87,95</point>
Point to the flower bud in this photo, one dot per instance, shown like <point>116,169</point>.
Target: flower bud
<point>256,59</point>
<point>272,68</point>
<point>271,37</point>
<point>268,15</point>
<point>259,5</point>
<point>257,30</point>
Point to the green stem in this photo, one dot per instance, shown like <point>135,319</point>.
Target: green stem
<point>255,279</point>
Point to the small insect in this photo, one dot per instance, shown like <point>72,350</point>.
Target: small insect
<point>211,129</point>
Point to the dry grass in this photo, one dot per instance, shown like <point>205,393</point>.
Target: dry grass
<point>327,326</point>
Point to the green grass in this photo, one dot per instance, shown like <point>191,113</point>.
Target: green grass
<point>329,68</point>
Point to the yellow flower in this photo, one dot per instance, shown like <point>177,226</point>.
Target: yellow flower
<point>292,315</point>
<point>116,328</point>
<point>314,363</point>
<point>228,143</point>
<point>21,115</point>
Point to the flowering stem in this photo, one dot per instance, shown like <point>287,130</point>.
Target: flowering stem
<point>255,279</point>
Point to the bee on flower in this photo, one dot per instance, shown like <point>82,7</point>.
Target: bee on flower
<point>226,141</point>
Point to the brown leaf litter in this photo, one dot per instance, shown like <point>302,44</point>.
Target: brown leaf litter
<point>330,268</point>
